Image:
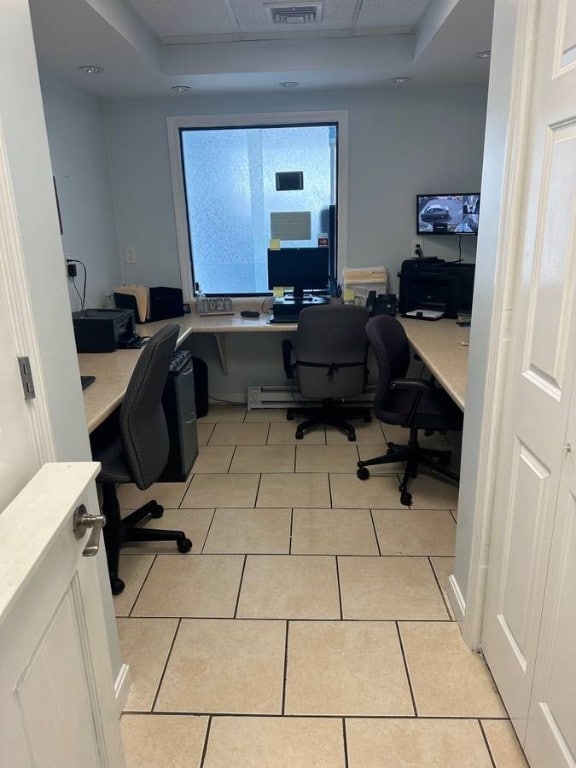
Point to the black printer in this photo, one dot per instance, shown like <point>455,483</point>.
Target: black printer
<point>104,330</point>
<point>431,283</point>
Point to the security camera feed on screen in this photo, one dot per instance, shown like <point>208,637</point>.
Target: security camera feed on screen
<point>448,214</point>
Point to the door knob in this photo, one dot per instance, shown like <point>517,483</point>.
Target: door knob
<point>80,524</point>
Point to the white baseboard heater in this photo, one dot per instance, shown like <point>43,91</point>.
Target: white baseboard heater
<point>273,396</point>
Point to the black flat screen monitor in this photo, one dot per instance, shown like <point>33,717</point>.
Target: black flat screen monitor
<point>300,268</point>
<point>447,214</point>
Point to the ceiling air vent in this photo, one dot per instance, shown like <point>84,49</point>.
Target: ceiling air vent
<point>295,14</point>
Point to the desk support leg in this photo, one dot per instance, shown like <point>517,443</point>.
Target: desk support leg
<point>222,344</point>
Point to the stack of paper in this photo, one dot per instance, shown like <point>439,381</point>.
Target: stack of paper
<point>363,275</point>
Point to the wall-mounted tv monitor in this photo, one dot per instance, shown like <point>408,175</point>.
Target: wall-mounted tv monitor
<point>447,214</point>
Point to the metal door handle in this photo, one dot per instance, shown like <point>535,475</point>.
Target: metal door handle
<point>80,524</point>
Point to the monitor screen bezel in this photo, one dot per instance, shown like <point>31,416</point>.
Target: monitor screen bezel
<point>422,232</point>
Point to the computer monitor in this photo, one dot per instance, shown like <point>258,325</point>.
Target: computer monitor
<point>300,268</point>
<point>447,214</point>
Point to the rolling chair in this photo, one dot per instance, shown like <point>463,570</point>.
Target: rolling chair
<point>328,363</point>
<point>133,448</point>
<point>411,403</point>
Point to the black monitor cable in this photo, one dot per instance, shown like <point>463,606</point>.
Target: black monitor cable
<point>459,259</point>
<point>82,296</point>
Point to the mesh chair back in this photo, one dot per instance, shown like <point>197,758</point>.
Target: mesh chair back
<point>330,350</point>
<point>388,339</point>
<point>143,428</point>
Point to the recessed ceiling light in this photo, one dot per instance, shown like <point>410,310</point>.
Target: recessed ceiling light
<point>483,54</point>
<point>290,84</point>
<point>181,88</point>
<point>400,80</point>
<point>91,69</point>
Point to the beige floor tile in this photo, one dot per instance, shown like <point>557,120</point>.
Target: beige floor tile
<point>415,532</point>
<point>133,570</point>
<point>144,646</point>
<point>193,522</point>
<point>231,490</point>
<point>166,494</point>
<point>346,668</point>
<point>448,679</point>
<point>265,414</point>
<point>206,585</point>
<point>444,568</point>
<point>289,587</point>
<point>366,434</point>
<point>410,743</point>
<point>326,458</point>
<point>275,742</point>
<point>297,490</point>
<point>213,459</point>
<point>333,532</point>
<point>204,432</point>
<point>252,531</point>
<point>432,492</point>
<point>239,434</point>
<point>225,666</point>
<point>376,492</point>
<point>503,744</point>
<point>285,434</point>
<point>223,413</point>
<point>263,458</point>
<point>389,588</point>
<point>152,741</point>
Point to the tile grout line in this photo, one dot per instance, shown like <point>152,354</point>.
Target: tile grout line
<point>240,587</point>
<point>165,665</point>
<point>375,532</point>
<point>487,743</point>
<point>144,580</point>
<point>208,531</point>
<point>285,678</point>
<point>291,530</point>
<point>339,587</point>
<point>406,668</point>
<point>231,460</point>
<point>345,740</point>
<point>206,737</point>
<point>446,606</point>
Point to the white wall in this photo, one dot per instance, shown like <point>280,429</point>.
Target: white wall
<point>80,166</point>
<point>402,142</point>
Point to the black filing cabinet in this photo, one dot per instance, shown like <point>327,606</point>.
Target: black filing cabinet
<point>180,409</point>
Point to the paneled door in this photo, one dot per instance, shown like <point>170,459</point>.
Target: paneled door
<point>57,705</point>
<point>533,519</point>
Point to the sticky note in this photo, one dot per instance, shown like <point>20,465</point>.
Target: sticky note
<point>348,294</point>
<point>274,244</point>
<point>278,292</point>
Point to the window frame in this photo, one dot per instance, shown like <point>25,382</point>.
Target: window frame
<point>253,120</point>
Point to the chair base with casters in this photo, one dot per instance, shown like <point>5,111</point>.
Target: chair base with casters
<point>328,413</point>
<point>119,531</point>
<point>414,455</point>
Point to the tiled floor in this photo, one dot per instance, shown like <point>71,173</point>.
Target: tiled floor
<point>309,626</point>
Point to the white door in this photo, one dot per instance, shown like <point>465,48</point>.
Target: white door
<point>57,706</point>
<point>540,374</point>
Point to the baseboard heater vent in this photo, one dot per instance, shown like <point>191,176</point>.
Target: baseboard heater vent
<point>285,396</point>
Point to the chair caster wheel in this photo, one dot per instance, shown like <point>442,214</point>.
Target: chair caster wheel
<point>362,473</point>
<point>290,414</point>
<point>116,585</point>
<point>299,435</point>
<point>158,511</point>
<point>406,498</point>
<point>184,545</point>
<point>352,437</point>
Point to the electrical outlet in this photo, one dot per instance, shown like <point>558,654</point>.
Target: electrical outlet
<point>130,254</point>
<point>71,268</point>
<point>416,246</point>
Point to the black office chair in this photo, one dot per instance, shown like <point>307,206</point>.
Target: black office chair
<point>328,363</point>
<point>133,448</point>
<point>411,403</point>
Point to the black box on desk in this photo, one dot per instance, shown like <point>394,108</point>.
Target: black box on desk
<point>102,330</point>
<point>164,303</point>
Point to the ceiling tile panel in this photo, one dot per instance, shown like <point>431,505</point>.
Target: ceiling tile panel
<point>169,18</point>
<point>390,13</point>
<point>252,16</point>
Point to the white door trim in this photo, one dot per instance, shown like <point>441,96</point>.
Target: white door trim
<point>13,275</point>
<point>273,118</point>
<point>508,260</point>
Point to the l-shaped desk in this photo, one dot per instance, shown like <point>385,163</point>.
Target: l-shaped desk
<point>442,345</point>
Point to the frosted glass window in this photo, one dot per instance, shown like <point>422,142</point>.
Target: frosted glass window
<point>230,185</point>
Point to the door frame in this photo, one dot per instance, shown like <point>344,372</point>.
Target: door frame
<point>340,117</point>
<point>503,190</point>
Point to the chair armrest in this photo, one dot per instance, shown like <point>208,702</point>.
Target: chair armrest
<point>287,348</point>
<point>415,384</point>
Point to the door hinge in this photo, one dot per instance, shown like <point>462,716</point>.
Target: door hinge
<point>26,376</point>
